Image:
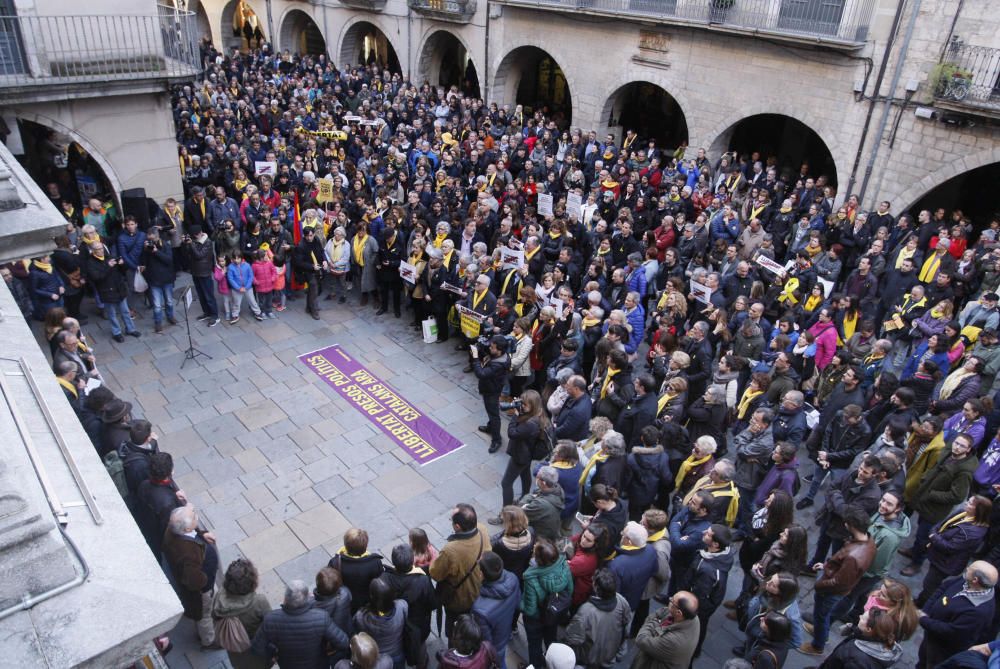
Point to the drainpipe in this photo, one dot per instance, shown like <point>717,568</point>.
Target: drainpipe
<point>879,78</point>
<point>896,75</point>
<point>270,29</point>
<point>28,600</point>
<point>485,86</point>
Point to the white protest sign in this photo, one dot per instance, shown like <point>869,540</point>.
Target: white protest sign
<point>408,272</point>
<point>574,206</point>
<point>544,204</point>
<point>770,265</point>
<point>701,292</point>
<point>511,258</point>
<point>265,168</point>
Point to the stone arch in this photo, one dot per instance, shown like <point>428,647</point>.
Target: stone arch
<point>438,49</point>
<point>721,134</point>
<point>949,170</point>
<point>202,21</point>
<point>353,38</point>
<point>524,61</point>
<point>230,41</point>
<point>619,106</point>
<point>299,33</point>
<point>79,138</point>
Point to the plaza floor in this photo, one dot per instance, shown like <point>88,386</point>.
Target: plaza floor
<point>279,466</point>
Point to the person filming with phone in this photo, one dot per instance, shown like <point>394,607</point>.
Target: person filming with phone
<point>490,366</point>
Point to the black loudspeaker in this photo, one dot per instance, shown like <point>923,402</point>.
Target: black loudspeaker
<point>134,204</point>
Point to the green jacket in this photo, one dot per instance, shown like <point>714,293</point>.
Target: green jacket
<point>540,582</point>
<point>990,356</point>
<point>544,510</point>
<point>944,486</point>
<point>887,537</point>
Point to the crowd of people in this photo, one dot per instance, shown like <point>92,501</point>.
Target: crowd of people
<point>689,351</point>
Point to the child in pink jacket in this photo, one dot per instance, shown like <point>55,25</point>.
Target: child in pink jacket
<point>265,274</point>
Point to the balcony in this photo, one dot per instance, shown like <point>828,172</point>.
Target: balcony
<point>455,11</point>
<point>835,23</point>
<point>71,53</point>
<point>370,5</point>
<point>968,77</point>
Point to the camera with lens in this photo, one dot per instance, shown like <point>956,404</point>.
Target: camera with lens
<point>514,404</point>
<point>482,345</point>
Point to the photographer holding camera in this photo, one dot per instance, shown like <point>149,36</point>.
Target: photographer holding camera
<point>490,367</point>
<point>157,267</point>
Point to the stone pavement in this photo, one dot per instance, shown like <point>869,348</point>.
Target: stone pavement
<point>279,466</point>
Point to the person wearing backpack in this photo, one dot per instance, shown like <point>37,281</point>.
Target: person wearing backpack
<point>237,611</point>
<point>543,582</point>
<point>651,475</point>
<point>523,433</point>
<point>639,412</point>
<point>135,453</point>
<point>544,507</point>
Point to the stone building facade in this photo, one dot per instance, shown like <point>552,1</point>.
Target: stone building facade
<point>716,73</point>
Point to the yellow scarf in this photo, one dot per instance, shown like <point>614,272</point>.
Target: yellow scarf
<point>812,302</point>
<point>477,298</point>
<point>653,538</point>
<point>599,456</point>
<point>904,253</point>
<point>788,292</point>
<point>528,255</point>
<point>68,386</point>
<point>554,235</point>
<point>744,403</point>
<point>589,322</point>
<point>850,324</point>
<point>44,266</point>
<point>203,208</point>
<point>607,381</point>
<point>663,402</point>
<point>359,249</point>
<point>930,268</point>
<point>719,491</point>
<point>686,467</point>
<point>343,551</point>
<point>755,211</point>
<point>506,281</point>
<point>438,240</point>
<point>337,249</point>
<point>447,259</point>
<point>957,519</point>
<point>872,358</point>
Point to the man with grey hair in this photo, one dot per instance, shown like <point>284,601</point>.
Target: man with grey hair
<point>753,447</point>
<point>481,301</point>
<point>634,564</point>
<point>544,506</point>
<point>699,371</point>
<point>573,421</point>
<point>297,634</point>
<point>725,497</point>
<point>194,562</point>
<point>790,419</point>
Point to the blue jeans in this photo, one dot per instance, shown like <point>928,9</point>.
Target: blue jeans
<point>924,528</point>
<point>205,287</point>
<point>113,310</point>
<point>162,295</point>
<point>823,606</point>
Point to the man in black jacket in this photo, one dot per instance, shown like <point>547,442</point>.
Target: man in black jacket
<point>639,412</point>
<point>700,369</point>
<point>492,374</point>
<point>157,497</point>
<point>857,488</point>
<point>390,254</point>
<point>573,420</point>
<point>308,261</point>
<point>201,256</point>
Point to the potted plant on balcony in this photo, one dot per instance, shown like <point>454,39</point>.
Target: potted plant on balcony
<point>718,9</point>
<point>950,81</point>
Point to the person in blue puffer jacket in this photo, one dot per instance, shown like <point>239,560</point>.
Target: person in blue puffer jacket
<point>494,609</point>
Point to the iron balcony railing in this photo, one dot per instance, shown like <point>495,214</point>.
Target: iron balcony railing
<point>843,21</point>
<point>454,10</point>
<point>969,75</point>
<point>55,50</point>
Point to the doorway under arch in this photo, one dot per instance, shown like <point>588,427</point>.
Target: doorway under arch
<point>364,43</point>
<point>52,156</point>
<point>789,141</point>
<point>649,110</point>
<point>965,192</point>
<point>300,34</point>
<point>243,27</point>
<point>529,76</point>
<point>444,61</point>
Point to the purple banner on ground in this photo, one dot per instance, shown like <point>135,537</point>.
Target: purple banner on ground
<point>406,425</point>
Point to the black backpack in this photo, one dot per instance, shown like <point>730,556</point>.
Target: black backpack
<point>543,446</point>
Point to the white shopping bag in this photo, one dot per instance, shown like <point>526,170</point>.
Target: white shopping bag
<point>430,331</point>
<point>139,284</point>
